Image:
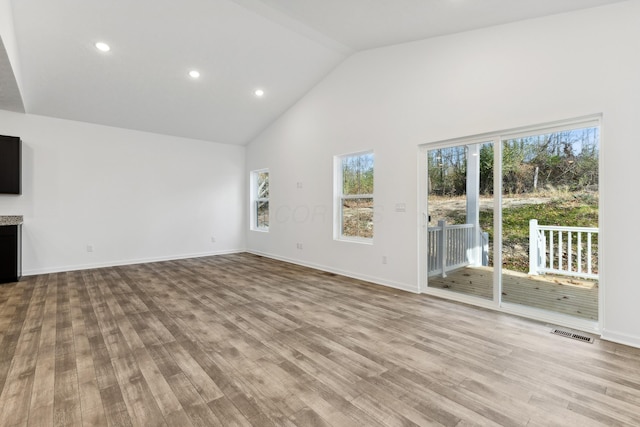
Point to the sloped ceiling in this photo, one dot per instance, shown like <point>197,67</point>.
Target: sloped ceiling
<point>284,47</point>
<point>10,98</point>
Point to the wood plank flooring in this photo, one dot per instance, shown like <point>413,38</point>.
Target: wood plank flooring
<point>566,295</point>
<point>240,340</point>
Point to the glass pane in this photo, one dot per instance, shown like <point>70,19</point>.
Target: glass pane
<point>262,214</point>
<point>460,219</point>
<point>357,217</point>
<point>357,174</point>
<point>263,185</point>
<point>550,222</point>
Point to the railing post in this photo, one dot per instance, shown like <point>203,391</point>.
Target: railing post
<point>533,247</point>
<point>442,250</point>
<point>485,248</point>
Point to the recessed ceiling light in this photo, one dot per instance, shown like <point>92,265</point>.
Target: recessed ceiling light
<point>103,47</point>
<point>194,74</point>
<point>259,93</point>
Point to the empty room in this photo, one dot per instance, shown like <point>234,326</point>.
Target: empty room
<point>319,213</point>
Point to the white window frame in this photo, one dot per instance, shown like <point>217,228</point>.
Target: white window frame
<point>255,200</point>
<point>339,198</point>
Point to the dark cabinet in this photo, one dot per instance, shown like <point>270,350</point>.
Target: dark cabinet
<point>10,165</point>
<point>10,253</point>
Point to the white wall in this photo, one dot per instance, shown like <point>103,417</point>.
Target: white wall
<point>134,196</point>
<point>7,34</point>
<point>393,99</point>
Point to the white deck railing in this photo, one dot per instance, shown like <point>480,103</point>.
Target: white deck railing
<point>569,251</point>
<point>449,247</point>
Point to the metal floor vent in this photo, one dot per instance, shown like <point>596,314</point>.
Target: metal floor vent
<point>572,335</point>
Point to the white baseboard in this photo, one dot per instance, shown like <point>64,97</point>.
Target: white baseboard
<point>620,338</point>
<point>89,266</point>
<point>375,280</point>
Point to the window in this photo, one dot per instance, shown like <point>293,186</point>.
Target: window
<point>354,196</point>
<point>260,200</point>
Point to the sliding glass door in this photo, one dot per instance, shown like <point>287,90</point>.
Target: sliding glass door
<point>511,220</point>
<point>459,217</point>
<point>550,202</point>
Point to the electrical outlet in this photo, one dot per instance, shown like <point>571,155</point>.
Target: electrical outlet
<point>89,248</point>
<point>213,239</point>
<point>384,259</point>
<point>299,246</point>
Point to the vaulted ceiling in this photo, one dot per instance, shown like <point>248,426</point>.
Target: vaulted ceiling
<point>283,47</point>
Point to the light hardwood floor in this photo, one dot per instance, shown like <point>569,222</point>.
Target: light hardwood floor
<point>241,340</point>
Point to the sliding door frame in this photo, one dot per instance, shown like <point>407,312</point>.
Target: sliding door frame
<point>497,139</point>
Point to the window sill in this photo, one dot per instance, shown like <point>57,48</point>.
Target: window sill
<point>360,240</point>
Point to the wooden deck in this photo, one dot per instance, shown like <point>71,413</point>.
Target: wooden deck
<point>564,295</point>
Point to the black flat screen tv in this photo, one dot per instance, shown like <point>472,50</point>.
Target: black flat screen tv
<point>10,165</point>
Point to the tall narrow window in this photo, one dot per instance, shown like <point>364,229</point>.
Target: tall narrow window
<point>354,196</point>
<point>260,200</point>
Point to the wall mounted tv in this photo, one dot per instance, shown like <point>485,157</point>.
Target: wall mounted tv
<point>10,165</point>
